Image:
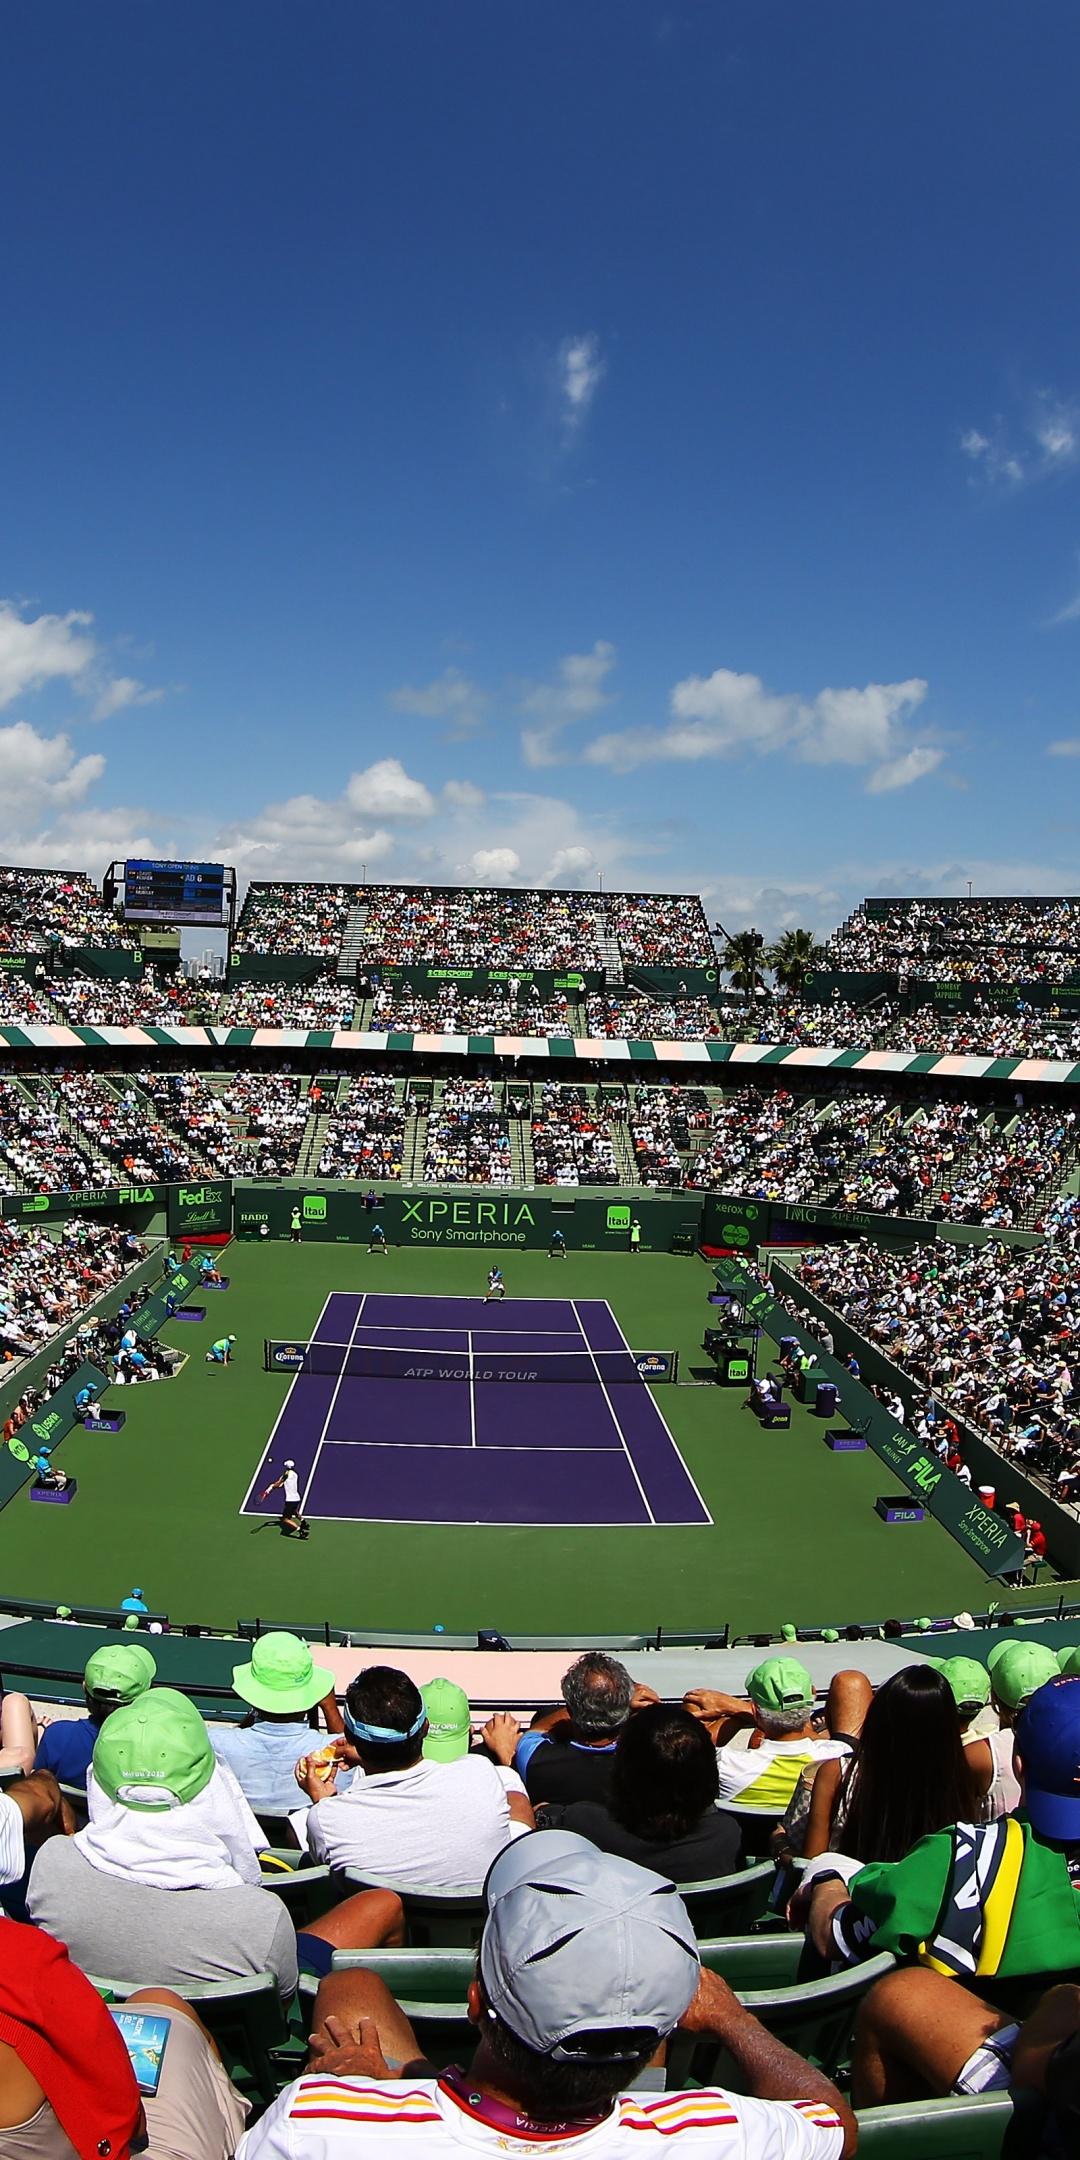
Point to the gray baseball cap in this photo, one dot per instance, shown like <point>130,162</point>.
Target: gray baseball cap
<point>578,1943</point>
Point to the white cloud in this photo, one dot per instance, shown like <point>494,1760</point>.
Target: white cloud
<point>462,795</point>
<point>40,774</point>
<point>495,866</point>
<point>47,649</point>
<point>579,373</point>
<point>1066,746</point>
<point>385,790</point>
<point>724,714</point>
<point>1042,442</point>
<point>58,648</point>
<point>451,697</point>
<point>117,695</point>
<point>575,695</point>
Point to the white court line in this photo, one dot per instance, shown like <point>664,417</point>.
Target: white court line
<point>691,1480</point>
<point>472,1389</point>
<point>333,1401</point>
<point>456,1447</point>
<point>264,1458</point>
<point>611,1409</point>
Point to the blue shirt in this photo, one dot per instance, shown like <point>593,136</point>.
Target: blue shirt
<point>66,1749</point>
<point>530,1741</point>
<point>264,1757</point>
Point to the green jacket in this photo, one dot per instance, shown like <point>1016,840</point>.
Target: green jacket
<point>1022,1918</point>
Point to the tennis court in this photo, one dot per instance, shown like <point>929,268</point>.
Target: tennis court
<point>454,1410</point>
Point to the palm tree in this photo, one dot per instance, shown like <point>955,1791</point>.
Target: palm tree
<point>793,957</point>
<point>741,958</point>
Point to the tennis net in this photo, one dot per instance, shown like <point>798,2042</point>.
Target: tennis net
<point>380,1361</point>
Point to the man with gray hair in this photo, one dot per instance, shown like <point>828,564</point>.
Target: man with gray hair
<point>587,1964</point>
<point>784,1739</point>
<point>572,1760</point>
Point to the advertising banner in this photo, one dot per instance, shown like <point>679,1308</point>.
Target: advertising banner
<point>336,1215</point>
<point>200,1210</point>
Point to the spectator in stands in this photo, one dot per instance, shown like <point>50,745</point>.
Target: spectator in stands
<point>31,1811</point>
<point>1017,1670</point>
<point>17,1736</point>
<point>661,1808</point>
<point>118,1673</point>
<point>908,1776</point>
<point>763,1770</point>
<point>409,1817</point>
<point>574,1758</point>
<point>67,2088</point>
<point>922,2036</point>
<point>587,1963</point>
<point>286,1690</point>
<point>939,1902</point>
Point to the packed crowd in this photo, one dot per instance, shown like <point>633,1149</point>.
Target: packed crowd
<point>397,1009</point>
<point>467,1141</point>
<point>759,1146</point>
<point>661,929</point>
<point>294,918</point>
<point>325,1003</point>
<point>366,1134</point>
<point>196,1122</point>
<point>835,1026</point>
<point>269,1112</point>
<point>25,1002</point>
<point>94,1001</point>
<point>665,1123</point>
<point>47,1280</point>
<point>481,926</point>
<point>968,941</point>
<point>1022,1033</point>
<point>62,906</point>
<point>37,1143</point>
<point>990,1333</point>
<point>122,1129</point>
<point>643,1018</point>
<point>572,1139</point>
<point>580,1828</point>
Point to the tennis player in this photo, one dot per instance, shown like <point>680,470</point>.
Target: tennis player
<point>377,1240</point>
<point>293,1523</point>
<point>496,1287</point>
<point>556,1246</point>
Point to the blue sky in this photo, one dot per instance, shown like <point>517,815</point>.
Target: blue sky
<point>545,441</point>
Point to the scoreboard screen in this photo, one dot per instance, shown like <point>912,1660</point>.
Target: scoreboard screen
<point>175,892</point>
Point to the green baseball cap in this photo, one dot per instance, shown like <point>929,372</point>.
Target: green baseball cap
<point>1069,1661</point>
<point>779,1684</point>
<point>124,1670</point>
<point>1017,1669</point>
<point>282,1675</point>
<point>969,1681</point>
<point>154,1753</point>
<point>449,1730</point>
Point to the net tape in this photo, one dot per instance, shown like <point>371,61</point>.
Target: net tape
<point>363,1361</point>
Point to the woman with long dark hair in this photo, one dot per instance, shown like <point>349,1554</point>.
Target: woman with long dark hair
<point>661,1805</point>
<point>910,1774</point>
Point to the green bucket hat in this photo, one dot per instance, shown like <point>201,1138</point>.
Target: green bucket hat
<point>779,1684</point>
<point>1017,1669</point>
<point>154,1753</point>
<point>449,1730</point>
<point>124,1670</point>
<point>282,1675</point>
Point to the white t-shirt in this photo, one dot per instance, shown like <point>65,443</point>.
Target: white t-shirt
<point>290,1488</point>
<point>12,1848</point>
<point>766,1776</point>
<point>415,2119</point>
<point>434,1825</point>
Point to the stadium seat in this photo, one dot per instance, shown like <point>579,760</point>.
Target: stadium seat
<point>728,1904</point>
<point>815,2017</point>
<point>968,2128</point>
<point>434,1919</point>
<point>431,1987</point>
<point>246,2017</point>
<point>278,1832</point>
<point>756,1823</point>
<point>309,1892</point>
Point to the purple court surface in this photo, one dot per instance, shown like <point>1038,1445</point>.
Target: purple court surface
<point>552,1452</point>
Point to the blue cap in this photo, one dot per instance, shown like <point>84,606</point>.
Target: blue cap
<point>1048,1742</point>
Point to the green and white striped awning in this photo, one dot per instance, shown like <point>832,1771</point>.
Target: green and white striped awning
<point>347,1041</point>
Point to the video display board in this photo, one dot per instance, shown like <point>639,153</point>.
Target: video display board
<point>174,892</point>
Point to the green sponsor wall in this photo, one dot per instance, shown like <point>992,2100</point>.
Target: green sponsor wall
<point>474,981</point>
<point>331,1215</point>
<point>670,982</point>
<point>245,967</point>
<point>133,1205</point>
<point>200,1209</point>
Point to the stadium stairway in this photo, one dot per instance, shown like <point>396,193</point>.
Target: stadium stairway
<point>521,1154</point>
<point>412,1153</point>
<point>351,951</point>
<point>610,955</point>
<point>315,1131</point>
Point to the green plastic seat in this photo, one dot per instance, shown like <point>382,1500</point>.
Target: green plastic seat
<point>430,1986</point>
<point>434,1918</point>
<point>309,1892</point>
<point>968,2128</point>
<point>814,2017</point>
<point>728,1904</point>
<point>246,2017</point>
